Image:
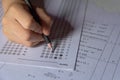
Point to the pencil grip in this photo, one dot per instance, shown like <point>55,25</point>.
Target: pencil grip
<point>46,38</point>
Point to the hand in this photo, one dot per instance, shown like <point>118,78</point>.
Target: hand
<point>19,25</point>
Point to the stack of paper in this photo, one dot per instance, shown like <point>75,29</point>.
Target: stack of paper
<point>87,38</point>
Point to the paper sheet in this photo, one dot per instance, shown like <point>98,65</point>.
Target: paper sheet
<point>65,34</point>
<point>98,53</point>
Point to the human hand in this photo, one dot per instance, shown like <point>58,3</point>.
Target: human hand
<point>19,25</point>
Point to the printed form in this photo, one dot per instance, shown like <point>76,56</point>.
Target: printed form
<point>98,54</point>
<point>65,34</point>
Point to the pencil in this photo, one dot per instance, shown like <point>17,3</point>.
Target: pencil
<point>35,16</point>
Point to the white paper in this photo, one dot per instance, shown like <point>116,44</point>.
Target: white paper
<point>98,53</point>
<point>65,35</point>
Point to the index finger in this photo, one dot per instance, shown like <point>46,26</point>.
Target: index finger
<point>24,17</point>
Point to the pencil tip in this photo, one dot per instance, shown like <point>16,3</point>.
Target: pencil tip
<point>50,46</point>
<point>52,49</point>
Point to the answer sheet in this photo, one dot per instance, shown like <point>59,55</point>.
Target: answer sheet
<point>65,36</point>
<point>98,55</point>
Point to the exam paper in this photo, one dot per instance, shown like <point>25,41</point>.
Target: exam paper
<point>65,35</point>
<point>98,52</point>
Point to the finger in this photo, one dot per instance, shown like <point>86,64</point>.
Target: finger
<point>46,21</point>
<point>23,16</point>
<point>17,29</point>
<point>11,36</point>
<point>17,40</point>
<point>27,35</point>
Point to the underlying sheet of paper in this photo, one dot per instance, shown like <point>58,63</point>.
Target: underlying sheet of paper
<point>99,51</point>
<point>98,55</point>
